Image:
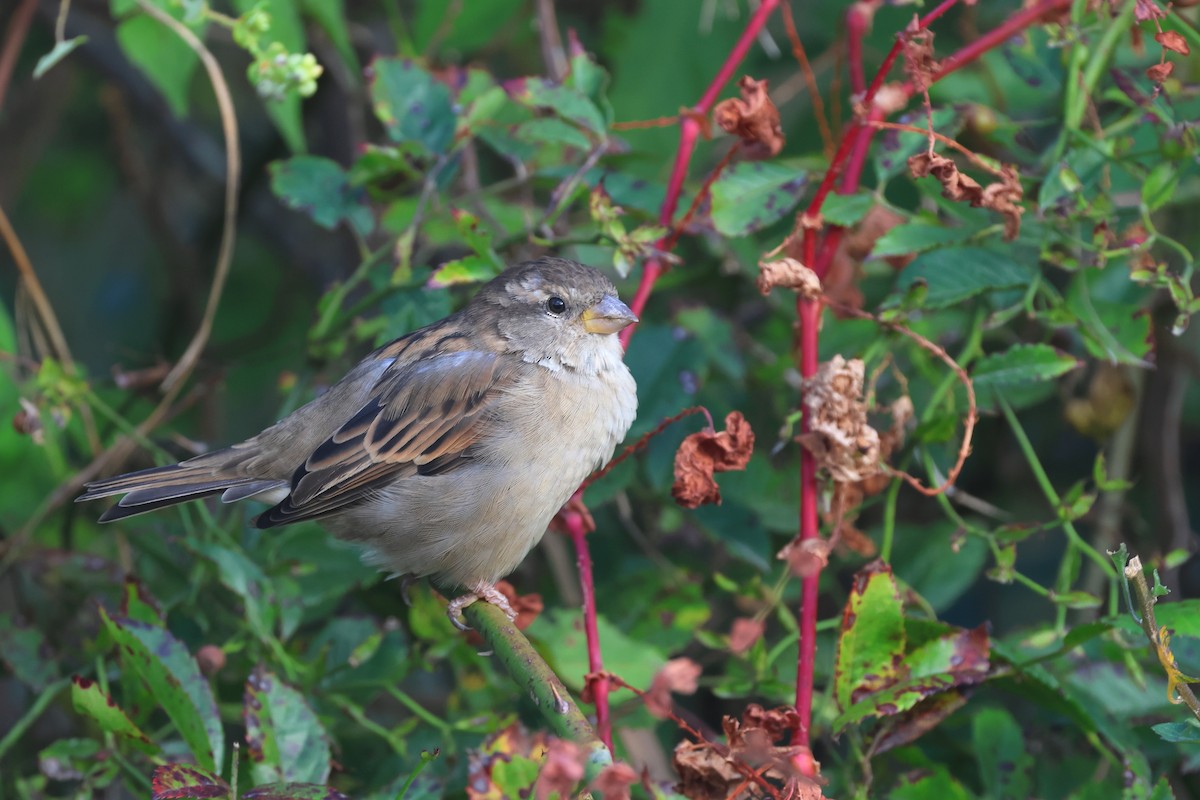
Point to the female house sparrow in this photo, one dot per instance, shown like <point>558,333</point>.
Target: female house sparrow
<point>446,452</point>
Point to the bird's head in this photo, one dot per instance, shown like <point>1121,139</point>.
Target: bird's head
<point>556,313</point>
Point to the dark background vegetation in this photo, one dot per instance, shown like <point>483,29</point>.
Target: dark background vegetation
<point>115,189</point>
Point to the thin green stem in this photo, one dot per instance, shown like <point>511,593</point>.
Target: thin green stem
<point>419,710</point>
<point>40,703</point>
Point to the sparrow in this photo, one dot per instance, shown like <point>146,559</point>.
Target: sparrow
<point>446,452</point>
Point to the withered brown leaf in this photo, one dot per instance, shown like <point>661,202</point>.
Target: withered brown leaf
<point>753,118</point>
<point>701,454</point>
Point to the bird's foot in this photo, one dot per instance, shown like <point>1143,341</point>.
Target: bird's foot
<point>481,591</point>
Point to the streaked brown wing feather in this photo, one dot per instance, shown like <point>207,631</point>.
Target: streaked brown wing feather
<point>427,413</point>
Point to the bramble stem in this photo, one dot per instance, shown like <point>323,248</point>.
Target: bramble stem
<point>531,672</point>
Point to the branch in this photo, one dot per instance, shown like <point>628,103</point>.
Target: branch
<point>689,131</point>
<point>14,37</point>
<point>531,672</point>
<point>233,167</point>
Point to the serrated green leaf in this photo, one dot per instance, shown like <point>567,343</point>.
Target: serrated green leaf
<point>999,746</point>
<point>846,209</point>
<point>752,195</point>
<point>293,791</point>
<point>871,643</point>
<point>412,104</point>
<point>23,650</point>
<point>568,103</point>
<point>553,131</point>
<point>173,677</point>
<point>175,781</point>
<point>893,148</point>
<point>952,274</point>
<point>284,738</point>
<point>918,236</point>
<point>88,698</point>
<point>1159,186</point>
<point>1020,365</point>
<point>1186,731</point>
<point>468,269</point>
<point>319,187</point>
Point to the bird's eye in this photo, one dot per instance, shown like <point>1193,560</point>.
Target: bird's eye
<point>556,305</point>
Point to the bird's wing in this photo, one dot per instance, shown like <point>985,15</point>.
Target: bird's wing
<point>422,418</point>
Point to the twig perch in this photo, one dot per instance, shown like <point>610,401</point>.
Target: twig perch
<point>531,672</point>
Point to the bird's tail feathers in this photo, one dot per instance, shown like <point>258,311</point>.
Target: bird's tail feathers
<point>158,487</point>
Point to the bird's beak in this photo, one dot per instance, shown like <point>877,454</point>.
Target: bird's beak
<point>610,315</point>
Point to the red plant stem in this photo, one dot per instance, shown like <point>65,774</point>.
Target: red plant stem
<point>689,132</point>
<point>848,161</point>
<point>810,317</point>
<point>14,37</point>
<point>599,686</point>
<point>858,22</point>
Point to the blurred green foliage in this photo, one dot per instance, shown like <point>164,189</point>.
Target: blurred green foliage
<point>986,655</point>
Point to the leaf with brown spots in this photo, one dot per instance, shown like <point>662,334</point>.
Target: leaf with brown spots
<point>753,118</point>
<point>179,781</point>
<point>704,453</point>
<point>870,648</point>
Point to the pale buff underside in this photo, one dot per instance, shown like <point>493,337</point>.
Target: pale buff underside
<point>476,524</point>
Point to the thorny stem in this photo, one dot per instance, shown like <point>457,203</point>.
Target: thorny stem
<point>527,668</point>
<point>577,530</point>
<point>689,131</point>
<point>848,162</point>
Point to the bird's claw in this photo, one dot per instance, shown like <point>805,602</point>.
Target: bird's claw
<point>481,592</point>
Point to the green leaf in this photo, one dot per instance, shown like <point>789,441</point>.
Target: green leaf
<point>25,652</point>
<point>88,698</point>
<point>288,30</point>
<point>293,791</point>
<point>952,274</point>
<point>1020,365</point>
<point>548,130</point>
<point>999,747</point>
<point>846,209</point>
<point>173,677</point>
<point>636,661</point>
<point>468,269</point>
<point>137,603</point>
<point>871,644</point>
<point>1186,731</point>
<point>57,54</point>
<point>751,195</point>
<point>412,104</point>
<point>319,187</point>
<point>569,104</point>
<point>284,738</point>
<point>938,785</point>
<point>920,235</point>
<point>893,148</point>
<point>173,781</point>
<point>1159,186</point>
<point>162,56</point>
